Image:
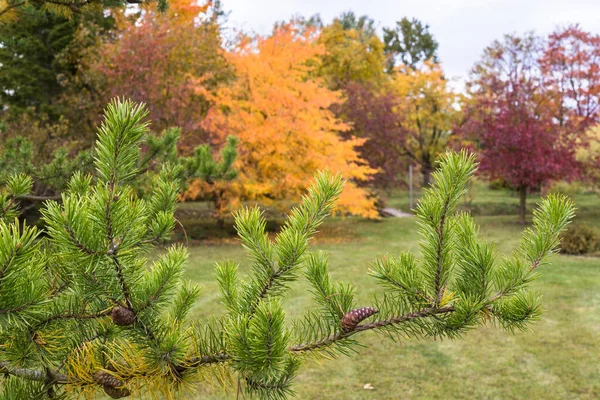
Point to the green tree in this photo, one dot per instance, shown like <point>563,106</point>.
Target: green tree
<point>12,10</point>
<point>40,54</point>
<point>82,309</point>
<point>409,43</point>
<point>363,24</point>
<point>27,55</point>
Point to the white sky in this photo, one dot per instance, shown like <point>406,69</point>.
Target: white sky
<point>462,27</point>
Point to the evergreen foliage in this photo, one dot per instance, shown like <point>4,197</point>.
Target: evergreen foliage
<point>40,53</point>
<point>12,10</point>
<point>49,179</point>
<point>82,309</point>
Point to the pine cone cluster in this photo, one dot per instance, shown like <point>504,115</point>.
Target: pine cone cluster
<point>122,316</point>
<point>112,386</point>
<point>352,318</point>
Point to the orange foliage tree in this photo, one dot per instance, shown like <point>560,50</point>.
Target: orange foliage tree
<point>281,113</point>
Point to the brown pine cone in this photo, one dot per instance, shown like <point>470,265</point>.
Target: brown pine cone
<point>105,379</point>
<point>352,318</point>
<point>116,393</point>
<point>122,316</point>
<point>112,385</point>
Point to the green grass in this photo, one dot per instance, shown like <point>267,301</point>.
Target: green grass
<point>557,359</point>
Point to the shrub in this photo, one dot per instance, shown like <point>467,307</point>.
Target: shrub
<point>580,239</point>
<point>569,188</point>
<point>497,184</point>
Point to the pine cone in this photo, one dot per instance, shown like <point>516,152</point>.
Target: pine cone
<point>112,385</point>
<point>352,318</point>
<point>116,393</point>
<point>122,316</point>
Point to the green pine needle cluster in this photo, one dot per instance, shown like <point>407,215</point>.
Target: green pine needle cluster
<point>82,310</point>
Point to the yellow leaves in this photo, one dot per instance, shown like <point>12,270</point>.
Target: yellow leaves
<point>350,55</point>
<point>587,152</point>
<point>354,201</point>
<point>187,8</point>
<point>8,11</point>
<point>61,10</point>
<point>427,107</point>
<point>282,118</point>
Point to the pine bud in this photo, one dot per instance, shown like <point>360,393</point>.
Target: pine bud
<point>122,316</point>
<point>112,385</point>
<point>352,318</point>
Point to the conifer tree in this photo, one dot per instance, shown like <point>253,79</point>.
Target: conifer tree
<point>82,309</point>
<point>12,10</point>
<point>18,155</point>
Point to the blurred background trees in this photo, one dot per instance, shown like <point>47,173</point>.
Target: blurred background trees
<point>359,98</point>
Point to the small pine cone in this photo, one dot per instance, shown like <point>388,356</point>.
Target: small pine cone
<point>352,318</point>
<point>116,393</point>
<point>122,316</point>
<point>112,386</point>
<point>105,379</point>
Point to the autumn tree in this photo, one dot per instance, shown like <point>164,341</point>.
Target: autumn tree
<point>512,118</point>
<point>570,64</point>
<point>587,154</point>
<point>83,310</point>
<point>409,43</point>
<point>371,110</point>
<point>353,52</point>
<point>281,114</point>
<point>426,112</point>
<point>166,60</point>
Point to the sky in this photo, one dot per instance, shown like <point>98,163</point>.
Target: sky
<point>463,28</point>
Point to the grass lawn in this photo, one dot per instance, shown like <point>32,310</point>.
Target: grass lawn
<point>558,359</point>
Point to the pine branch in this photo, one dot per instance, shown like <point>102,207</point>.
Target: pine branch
<point>38,198</point>
<point>199,361</point>
<point>47,376</point>
<point>78,244</point>
<point>115,322</point>
<point>317,345</point>
<point>439,290</point>
<point>76,316</point>
<point>122,282</point>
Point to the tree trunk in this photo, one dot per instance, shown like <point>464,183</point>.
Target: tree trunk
<point>220,207</point>
<point>523,203</point>
<point>426,175</point>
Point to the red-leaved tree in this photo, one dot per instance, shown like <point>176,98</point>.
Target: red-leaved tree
<point>511,118</point>
<point>370,110</point>
<point>162,59</point>
<point>570,65</point>
<point>523,149</point>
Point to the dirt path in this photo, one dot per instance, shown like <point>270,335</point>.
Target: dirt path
<point>394,212</point>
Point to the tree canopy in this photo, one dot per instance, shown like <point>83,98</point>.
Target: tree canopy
<point>409,43</point>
